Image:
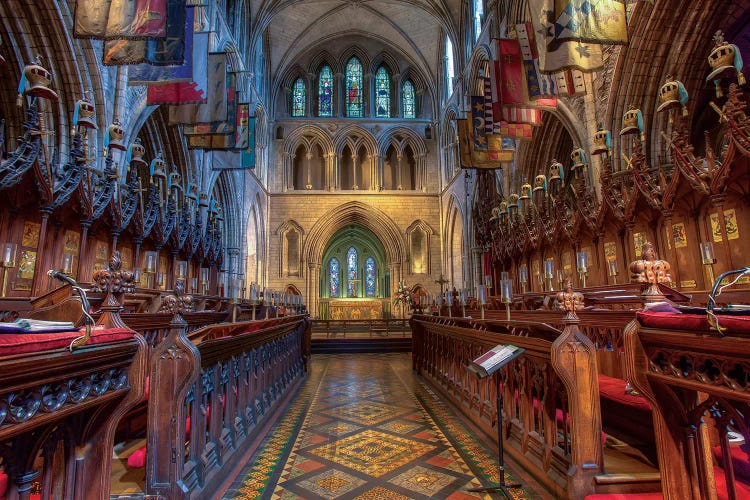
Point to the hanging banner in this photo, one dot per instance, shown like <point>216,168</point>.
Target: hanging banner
<point>123,19</point>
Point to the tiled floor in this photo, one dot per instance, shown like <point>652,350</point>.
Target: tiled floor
<point>364,427</point>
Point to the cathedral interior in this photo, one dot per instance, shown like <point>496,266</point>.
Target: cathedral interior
<point>376,249</point>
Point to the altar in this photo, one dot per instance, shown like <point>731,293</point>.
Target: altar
<point>339,309</point>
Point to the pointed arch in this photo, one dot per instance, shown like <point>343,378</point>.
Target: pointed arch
<point>354,136</point>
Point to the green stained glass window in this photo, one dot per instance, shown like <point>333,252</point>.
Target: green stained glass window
<point>325,92</point>
<point>407,96</point>
<point>382,93</point>
<point>299,96</point>
<point>354,88</point>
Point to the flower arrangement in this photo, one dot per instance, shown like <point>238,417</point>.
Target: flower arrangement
<point>403,295</point>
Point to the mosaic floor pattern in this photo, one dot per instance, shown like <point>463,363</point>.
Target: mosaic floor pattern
<point>364,427</point>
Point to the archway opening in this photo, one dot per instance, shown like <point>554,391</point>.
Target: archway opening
<point>355,279</point>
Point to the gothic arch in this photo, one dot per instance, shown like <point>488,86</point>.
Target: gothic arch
<point>290,235</point>
<point>478,62</point>
<point>358,213</point>
<point>309,135</point>
<point>359,53</point>
<point>384,59</point>
<point>354,136</point>
<point>319,59</point>
<point>410,138</point>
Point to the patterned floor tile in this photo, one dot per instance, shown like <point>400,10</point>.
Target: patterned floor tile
<point>366,412</point>
<point>365,426</point>
<point>331,483</point>
<point>372,452</point>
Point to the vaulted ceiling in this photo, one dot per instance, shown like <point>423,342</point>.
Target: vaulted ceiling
<point>413,27</point>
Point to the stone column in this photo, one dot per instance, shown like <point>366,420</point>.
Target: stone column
<point>399,174</point>
<point>354,171</point>
<point>313,288</point>
<point>338,94</point>
<point>337,173</point>
<point>420,174</point>
<point>308,157</point>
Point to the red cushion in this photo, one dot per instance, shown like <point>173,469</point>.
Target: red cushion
<point>673,321</point>
<point>625,496</point>
<point>137,459</point>
<point>742,488</point>
<point>26,343</point>
<point>614,389</point>
<point>740,460</point>
<point>3,484</point>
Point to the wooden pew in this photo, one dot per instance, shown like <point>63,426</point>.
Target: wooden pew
<point>552,418</point>
<point>697,381</point>
<point>212,392</point>
<point>60,409</point>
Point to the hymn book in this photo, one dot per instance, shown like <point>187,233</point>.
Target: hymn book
<point>494,359</point>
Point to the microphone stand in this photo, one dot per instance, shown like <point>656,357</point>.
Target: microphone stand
<point>88,321</point>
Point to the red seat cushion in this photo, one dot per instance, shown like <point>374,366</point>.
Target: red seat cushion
<point>740,460</point>
<point>26,343</point>
<point>741,487</point>
<point>674,321</point>
<point>625,496</point>
<point>137,459</point>
<point>614,389</point>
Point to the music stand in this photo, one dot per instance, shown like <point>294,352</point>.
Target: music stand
<point>483,367</point>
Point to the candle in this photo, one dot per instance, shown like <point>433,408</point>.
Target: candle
<point>549,268</point>
<point>523,274</point>
<point>707,253</point>
<point>67,264</point>
<point>160,279</point>
<point>481,294</point>
<point>9,255</point>
<point>462,296</point>
<point>204,275</point>
<point>450,299</point>
<point>612,267</point>
<point>194,285</point>
<point>181,272</point>
<point>582,261</point>
<point>506,291</point>
<point>137,275</point>
<point>253,292</point>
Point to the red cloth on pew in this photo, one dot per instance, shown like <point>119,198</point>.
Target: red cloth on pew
<point>624,496</point>
<point>137,459</point>
<point>4,488</point>
<point>614,389</point>
<point>742,488</point>
<point>740,460</point>
<point>27,343</point>
<point>673,321</point>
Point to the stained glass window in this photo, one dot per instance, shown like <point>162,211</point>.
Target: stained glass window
<point>449,71</point>
<point>478,13</point>
<point>333,277</point>
<point>354,88</point>
<point>407,96</point>
<point>370,277</point>
<point>382,93</point>
<point>325,92</point>
<point>298,98</point>
<point>351,271</point>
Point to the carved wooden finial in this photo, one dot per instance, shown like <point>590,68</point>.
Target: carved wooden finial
<point>180,302</point>
<point>650,271</point>
<point>113,279</point>
<point>570,300</point>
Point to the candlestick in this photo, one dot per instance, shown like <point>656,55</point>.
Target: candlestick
<point>612,270</point>
<point>181,270</point>
<point>709,259</point>
<point>67,264</point>
<point>450,304</point>
<point>523,277</point>
<point>549,273</point>
<point>506,295</point>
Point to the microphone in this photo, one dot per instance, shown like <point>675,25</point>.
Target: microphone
<point>62,277</point>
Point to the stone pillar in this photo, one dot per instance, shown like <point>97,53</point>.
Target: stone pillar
<point>337,173</point>
<point>309,184</point>
<point>420,174</point>
<point>338,94</point>
<point>313,288</point>
<point>399,173</point>
<point>354,171</point>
